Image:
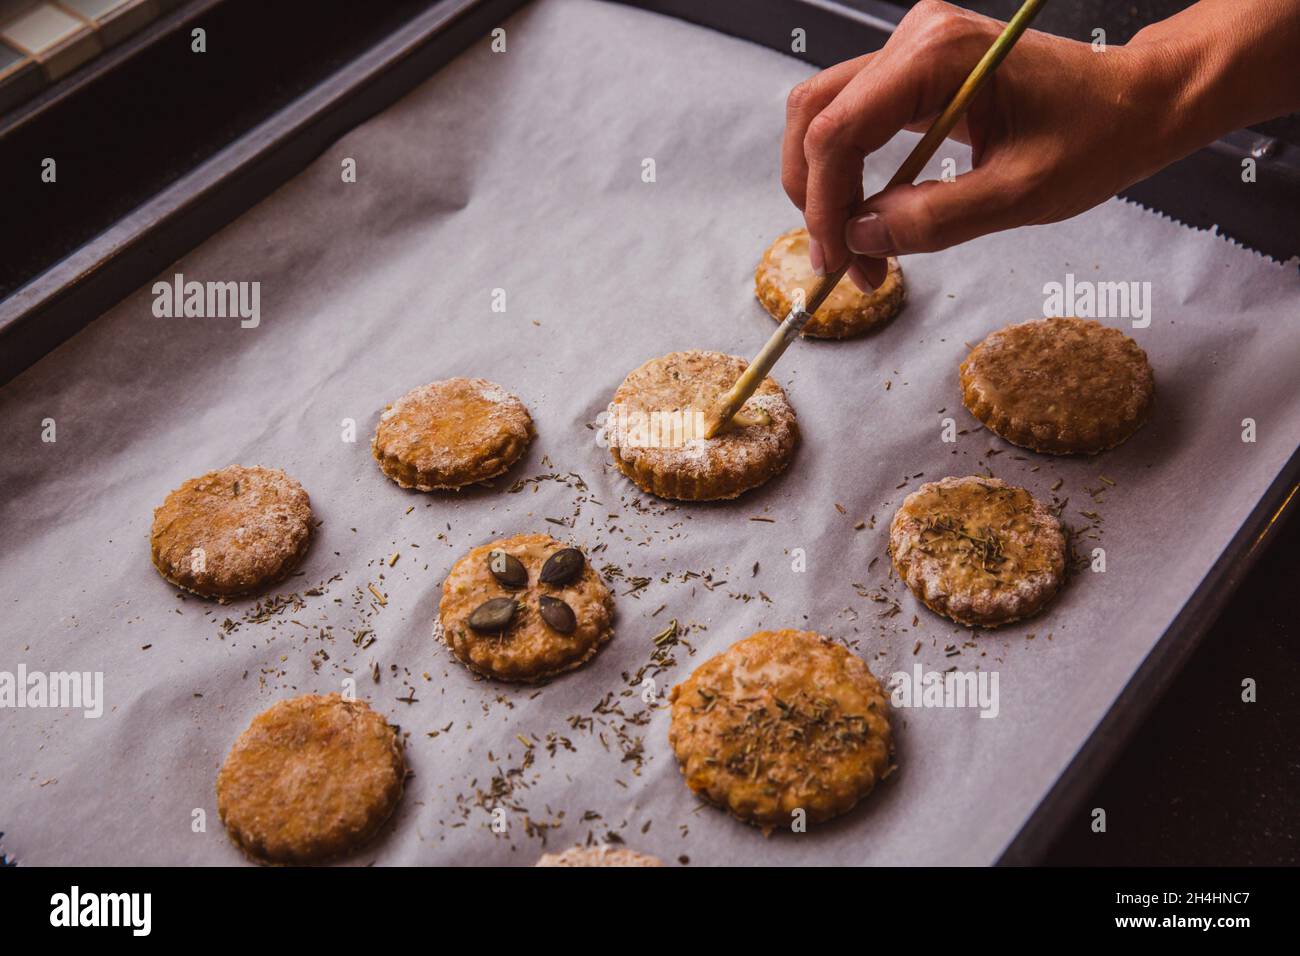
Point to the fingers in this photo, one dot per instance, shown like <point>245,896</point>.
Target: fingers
<point>805,101</point>
<point>935,214</point>
<point>911,79</point>
<point>868,274</point>
<point>931,216</point>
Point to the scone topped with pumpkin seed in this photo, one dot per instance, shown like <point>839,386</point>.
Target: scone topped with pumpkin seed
<point>449,434</point>
<point>1063,386</point>
<point>978,550</point>
<point>785,276</point>
<point>781,722</point>
<point>524,608</point>
<point>656,422</point>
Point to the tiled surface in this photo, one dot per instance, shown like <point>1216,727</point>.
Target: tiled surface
<point>41,28</point>
<point>92,9</point>
<point>20,76</point>
<point>44,40</point>
<point>12,9</point>
<point>9,57</point>
<point>125,17</point>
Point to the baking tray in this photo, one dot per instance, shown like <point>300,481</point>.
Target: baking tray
<point>139,247</point>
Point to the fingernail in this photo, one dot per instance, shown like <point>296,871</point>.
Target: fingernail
<point>869,236</point>
<point>815,257</point>
<point>858,276</point>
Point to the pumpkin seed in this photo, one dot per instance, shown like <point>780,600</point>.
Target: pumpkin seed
<point>562,567</point>
<point>493,615</point>
<point>557,614</point>
<point>508,570</point>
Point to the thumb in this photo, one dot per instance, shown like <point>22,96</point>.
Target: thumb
<point>935,214</point>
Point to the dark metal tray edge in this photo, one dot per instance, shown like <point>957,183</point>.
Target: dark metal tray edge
<point>1158,670</point>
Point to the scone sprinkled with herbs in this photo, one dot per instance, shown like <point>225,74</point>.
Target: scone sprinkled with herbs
<point>978,550</point>
<point>782,722</point>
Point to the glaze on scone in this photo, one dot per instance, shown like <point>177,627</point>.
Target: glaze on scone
<point>978,550</point>
<point>603,855</point>
<point>311,778</point>
<point>529,649</point>
<point>700,469</point>
<point>452,433</point>
<point>785,272</point>
<point>782,721</point>
<point>1063,386</point>
<point>232,531</point>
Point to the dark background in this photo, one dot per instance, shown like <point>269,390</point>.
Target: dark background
<point>1208,779</point>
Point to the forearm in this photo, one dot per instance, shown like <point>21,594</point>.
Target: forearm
<point>1226,63</point>
<point>1062,126</point>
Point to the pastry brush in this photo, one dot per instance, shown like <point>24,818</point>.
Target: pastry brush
<point>793,324</point>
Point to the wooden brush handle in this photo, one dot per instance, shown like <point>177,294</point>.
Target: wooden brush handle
<point>753,376</point>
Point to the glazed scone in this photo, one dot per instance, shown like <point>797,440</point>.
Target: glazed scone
<point>232,531</point>
<point>312,778</point>
<point>978,550</point>
<point>785,274</point>
<point>524,608</point>
<point>1063,386</point>
<point>782,721</point>
<point>603,855</point>
<point>450,434</point>
<point>655,427</point>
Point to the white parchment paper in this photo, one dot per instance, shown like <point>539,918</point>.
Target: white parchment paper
<point>522,171</point>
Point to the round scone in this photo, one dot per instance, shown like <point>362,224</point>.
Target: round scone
<point>452,433</point>
<point>784,273</point>
<point>655,428</point>
<point>311,778</point>
<point>1064,386</point>
<point>603,855</point>
<point>978,550</point>
<point>524,608</point>
<point>231,531</point>
<point>782,721</point>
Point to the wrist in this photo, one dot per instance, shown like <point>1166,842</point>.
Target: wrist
<point>1177,75</point>
<point>1223,64</point>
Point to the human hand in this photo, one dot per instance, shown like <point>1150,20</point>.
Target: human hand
<point>1059,127</point>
